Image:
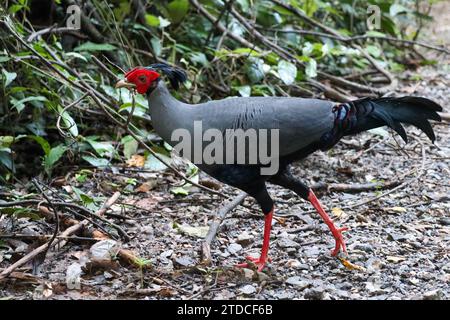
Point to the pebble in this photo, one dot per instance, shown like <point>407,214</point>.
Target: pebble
<point>317,293</point>
<point>248,274</point>
<point>234,248</point>
<point>297,282</point>
<point>364,247</point>
<point>185,261</point>
<point>248,289</point>
<point>373,264</point>
<point>433,295</point>
<point>244,239</point>
<point>104,249</point>
<point>287,243</point>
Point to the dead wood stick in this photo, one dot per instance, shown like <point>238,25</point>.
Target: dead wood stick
<point>358,187</point>
<point>445,116</point>
<point>214,227</point>
<point>69,231</point>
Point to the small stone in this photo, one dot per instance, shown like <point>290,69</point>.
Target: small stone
<point>244,239</point>
<point>147,230</point>
<point>297,282</point>
<point>445,221</point>
<point>317,293</point>
<point>433,295</point>
<point>104,250</point>
<point>373,264</point>
<point>262,276</point>
<point>287,243</point>
<point>185,261</point>
<point>248,274</point>
<point>234,248</point>
<point>364,247</point>
<point>248,289</point>
<point>166,254</point>
<point>312,252</point>
<point>291,251</point>
<point>73,276</point>
<point>374,288</point>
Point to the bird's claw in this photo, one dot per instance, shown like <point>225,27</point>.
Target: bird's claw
<point>340,243</point>
<point>260,263</point>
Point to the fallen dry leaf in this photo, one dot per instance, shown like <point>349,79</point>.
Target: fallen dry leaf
<point>337,212</point>
<point>395,209</point>
<point>144,188</point>
<point>136,161</point>
<point>351,266</point>
<point>395,259</point>
<point>280,220</point>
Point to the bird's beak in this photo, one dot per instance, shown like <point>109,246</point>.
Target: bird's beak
<point>125,84</point>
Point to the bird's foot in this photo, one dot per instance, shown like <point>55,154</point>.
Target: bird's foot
<point>260,263</point>
<point>340,243</point>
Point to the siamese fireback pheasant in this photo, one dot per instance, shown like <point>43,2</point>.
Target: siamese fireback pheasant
<point>305,126</point>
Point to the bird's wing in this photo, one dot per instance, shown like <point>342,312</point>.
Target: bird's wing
<point>300,121</point>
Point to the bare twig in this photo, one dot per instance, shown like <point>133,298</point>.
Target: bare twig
<point>53,29</point>
<point>55,214</point>
<point>214,227</point>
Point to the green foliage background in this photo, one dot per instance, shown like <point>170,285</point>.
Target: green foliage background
<point>125,33</point>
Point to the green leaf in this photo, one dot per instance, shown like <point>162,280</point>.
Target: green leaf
<point>156,45</point>
<point>101,148</point>
<point>311,68</point>
<point>70,124</point>
<point>255,69</point>
<point>90,46</point>
<point>96,162</point>
<point>5,158</point>
<point>6,141</point>
<point>130,146</point>
<point>42,142</point>
<point>76,55</point>
<point>163,22</point>
<point>19,105</point>
<point>244,91</point>
<point>396,8</point>
<point>8,77</point>
<point>374,51</point>
<point>177,10</point>
<point>152,21</point>
<point>53,156</point>
<point>151,163</point>
<point>287,72</point>
<point>199,57</point>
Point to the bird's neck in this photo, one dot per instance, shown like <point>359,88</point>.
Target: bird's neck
<point>167,113</point>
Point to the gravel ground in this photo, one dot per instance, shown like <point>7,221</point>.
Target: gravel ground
<point>399,243</point>
<point>400,240</point>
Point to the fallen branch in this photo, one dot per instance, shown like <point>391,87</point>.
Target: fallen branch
<point>68,232</point>
<point>53,30</point>
<point>353,188</point>
<point>214,227</point>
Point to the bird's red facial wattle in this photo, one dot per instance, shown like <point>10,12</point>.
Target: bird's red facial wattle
<point>138,78</point>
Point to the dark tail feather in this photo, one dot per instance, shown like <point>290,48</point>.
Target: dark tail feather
<point>367,114</point>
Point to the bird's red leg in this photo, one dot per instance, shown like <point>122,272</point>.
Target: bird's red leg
<point>337,233</point>
<point>261,261</point>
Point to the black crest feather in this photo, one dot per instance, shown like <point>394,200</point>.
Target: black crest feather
<point>176,75</point>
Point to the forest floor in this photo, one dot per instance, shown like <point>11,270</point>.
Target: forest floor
<point>400,240</point>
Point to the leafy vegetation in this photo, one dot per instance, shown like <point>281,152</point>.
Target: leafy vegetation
<point>60,112</point>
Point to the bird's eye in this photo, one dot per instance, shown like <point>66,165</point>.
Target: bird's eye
<point>142,78</point>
